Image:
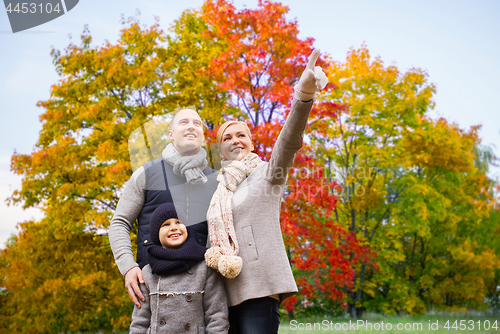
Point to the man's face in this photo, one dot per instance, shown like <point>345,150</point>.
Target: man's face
<point>186,132</point>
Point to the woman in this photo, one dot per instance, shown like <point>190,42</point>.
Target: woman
<point>243,217</point>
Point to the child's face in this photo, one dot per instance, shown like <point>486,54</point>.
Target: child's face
<point>172,233</point>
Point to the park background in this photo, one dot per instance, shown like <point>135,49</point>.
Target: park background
<point>450,211</point>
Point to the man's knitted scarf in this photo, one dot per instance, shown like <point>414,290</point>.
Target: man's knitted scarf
<point>223,253</point>
<point>190,166</point>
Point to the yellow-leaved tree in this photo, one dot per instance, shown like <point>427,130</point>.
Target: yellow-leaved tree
<point>410,190</point>
<point>57,274</point>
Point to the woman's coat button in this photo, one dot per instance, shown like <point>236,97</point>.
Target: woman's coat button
<point>162,322</point>
<point>190,271</point>
<point>163,297</point>
<point>187,326</point>
<point>189,298</point>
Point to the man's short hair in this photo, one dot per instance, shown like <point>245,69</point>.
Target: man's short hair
<point>177,112</point>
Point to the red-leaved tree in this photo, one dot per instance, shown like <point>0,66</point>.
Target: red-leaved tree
<point>262,60</point>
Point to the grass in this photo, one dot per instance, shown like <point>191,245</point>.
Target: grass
<point>429,323</point>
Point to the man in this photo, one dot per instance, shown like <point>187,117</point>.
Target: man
<point>180,176</point>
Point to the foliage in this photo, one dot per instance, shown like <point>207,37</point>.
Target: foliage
<point>409,190</point>
<point>75,175</point>
<point>105,93</point>
<point>192,51</point>
<point>59,278</point>
<point>263,60</point>
<point>385,209</point>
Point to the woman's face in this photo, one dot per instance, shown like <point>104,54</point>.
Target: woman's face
<point>173,233</point>
<point>235,142</point>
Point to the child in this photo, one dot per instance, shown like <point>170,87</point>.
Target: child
<point>182,293</point>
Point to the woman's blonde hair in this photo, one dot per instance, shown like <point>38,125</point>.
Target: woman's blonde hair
<point>228,124</point>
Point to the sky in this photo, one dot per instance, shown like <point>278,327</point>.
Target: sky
<point>456,42</point>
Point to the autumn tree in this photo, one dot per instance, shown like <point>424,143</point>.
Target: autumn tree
<point>489,236</point>
<point>76,171</point>
<point>105,93</point>
<point>191,51</point>
<point>261,59</point>
<point>404,177</point>
<point>452,205</point>
<point>376,248</point>
<point>58,278</point>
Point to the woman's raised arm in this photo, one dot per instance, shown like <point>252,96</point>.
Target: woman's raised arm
<point>292,135</point>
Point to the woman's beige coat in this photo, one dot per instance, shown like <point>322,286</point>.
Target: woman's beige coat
<point>256,207</point>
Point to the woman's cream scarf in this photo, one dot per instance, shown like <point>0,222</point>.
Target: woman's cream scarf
<point>223,254</point>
